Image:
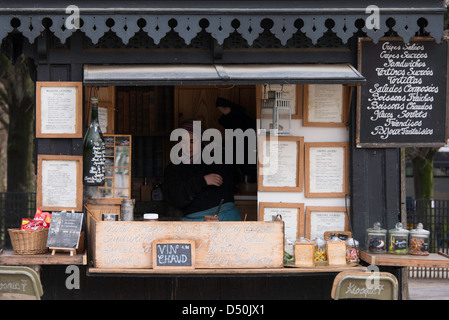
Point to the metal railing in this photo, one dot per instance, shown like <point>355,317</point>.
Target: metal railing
<point>13,207</point>
<point>434,215</point>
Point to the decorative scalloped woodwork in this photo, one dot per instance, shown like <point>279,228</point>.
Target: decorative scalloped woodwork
<point>220,26</point>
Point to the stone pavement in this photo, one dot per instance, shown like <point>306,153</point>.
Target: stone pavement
<point>428,289</point>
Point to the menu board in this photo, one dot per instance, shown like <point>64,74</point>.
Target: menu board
<point>59,182</point>
<point>218,244</point>
<point>403,102</point>
<point>174,253</point>
<point>59,109</point>
<point>324,105</point>
<point>281,163</point>
<point>326,169</point>
<point>65,229</point>
<point>318,220</point>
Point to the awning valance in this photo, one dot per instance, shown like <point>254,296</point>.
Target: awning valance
<point>96,18</point>
<point>221,74</point>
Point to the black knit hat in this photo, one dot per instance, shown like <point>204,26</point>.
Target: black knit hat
<point>222,102</point>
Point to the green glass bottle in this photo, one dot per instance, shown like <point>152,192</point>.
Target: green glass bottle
<point>93,150</point>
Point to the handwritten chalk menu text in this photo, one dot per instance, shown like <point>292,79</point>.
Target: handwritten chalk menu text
<point>65,229</point>
<point>217,244</point>
<point>403,102</point>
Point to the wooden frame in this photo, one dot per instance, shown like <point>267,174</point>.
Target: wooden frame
<point>77,178</point>
<point>360,142</point>
<point>336,210</point>
<point>310,191</point>
<point>296,114</point>
<point>75,108</point>
<point>323,123</point>
<point>111,170</point>
<point>299,165</point>
<point>298,225</point>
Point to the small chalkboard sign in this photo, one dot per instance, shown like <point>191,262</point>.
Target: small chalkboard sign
<point>174,254</point>
<point>65,230</point>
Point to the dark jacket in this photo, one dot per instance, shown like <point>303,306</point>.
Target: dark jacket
<point>186,189</point>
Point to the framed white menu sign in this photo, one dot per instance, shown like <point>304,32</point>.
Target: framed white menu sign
<point>59,183</point>
<point>318,220</point>
<point>326,169</point>
<point>324,105</point>
<point>280,165</point>
<point>59,109</point>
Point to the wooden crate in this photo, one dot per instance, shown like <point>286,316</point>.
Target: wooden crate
<point>223,244</point>
<point>336,253</point>
<point>96,208</point>
<point>304,254</point>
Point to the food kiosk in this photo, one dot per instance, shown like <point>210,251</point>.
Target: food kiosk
<point>350,93</point>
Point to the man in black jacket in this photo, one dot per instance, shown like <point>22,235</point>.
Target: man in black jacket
<point>197,189</point>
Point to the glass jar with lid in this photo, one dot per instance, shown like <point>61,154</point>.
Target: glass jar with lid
<point>320,250</point>
<point>352,251</point>
<point>376,239</point>
<point>398,240</point>
<point>419,241</point>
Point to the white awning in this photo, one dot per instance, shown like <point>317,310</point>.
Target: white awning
<point>221,74</point>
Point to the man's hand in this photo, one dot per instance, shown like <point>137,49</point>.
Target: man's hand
<point>213,179</point>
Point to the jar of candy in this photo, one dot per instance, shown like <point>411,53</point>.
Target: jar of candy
<point>352,251</point>
<point>376,239</point>
<point>398,240</point>
<point>320,250</point>
<point>419,241</point>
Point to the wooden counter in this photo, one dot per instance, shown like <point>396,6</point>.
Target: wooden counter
<point>9,258</point>
<point>225,271</point>
<point>433,260</point>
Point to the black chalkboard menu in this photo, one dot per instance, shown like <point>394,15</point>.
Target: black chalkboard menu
<point>65,229</point>
<point>174,253</point>
<point>403,102</point>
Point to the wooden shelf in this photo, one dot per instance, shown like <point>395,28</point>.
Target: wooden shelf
<point>226,271</point>
<point>9,258</point>
<point>433,260</point>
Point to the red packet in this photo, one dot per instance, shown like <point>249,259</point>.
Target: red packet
<point>31,224</point>
<point>45,217</point>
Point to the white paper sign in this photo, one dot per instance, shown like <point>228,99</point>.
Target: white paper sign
<point>58,111</point>
<point>281,164</point>
<point>326,170</point>
<point>325,103</point>
<point>58,183</point>
<point>321,221</point>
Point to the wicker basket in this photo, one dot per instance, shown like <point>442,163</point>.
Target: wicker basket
<point>29,241</point>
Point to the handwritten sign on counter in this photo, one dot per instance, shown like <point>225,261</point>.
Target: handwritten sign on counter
<point>218,244</point>
<point>174,253</point>
<point>403,102</point>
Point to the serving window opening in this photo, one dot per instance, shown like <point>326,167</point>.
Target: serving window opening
<point>137,122</point>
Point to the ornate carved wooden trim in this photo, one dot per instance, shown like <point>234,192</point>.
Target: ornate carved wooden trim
<point>284,26</point>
